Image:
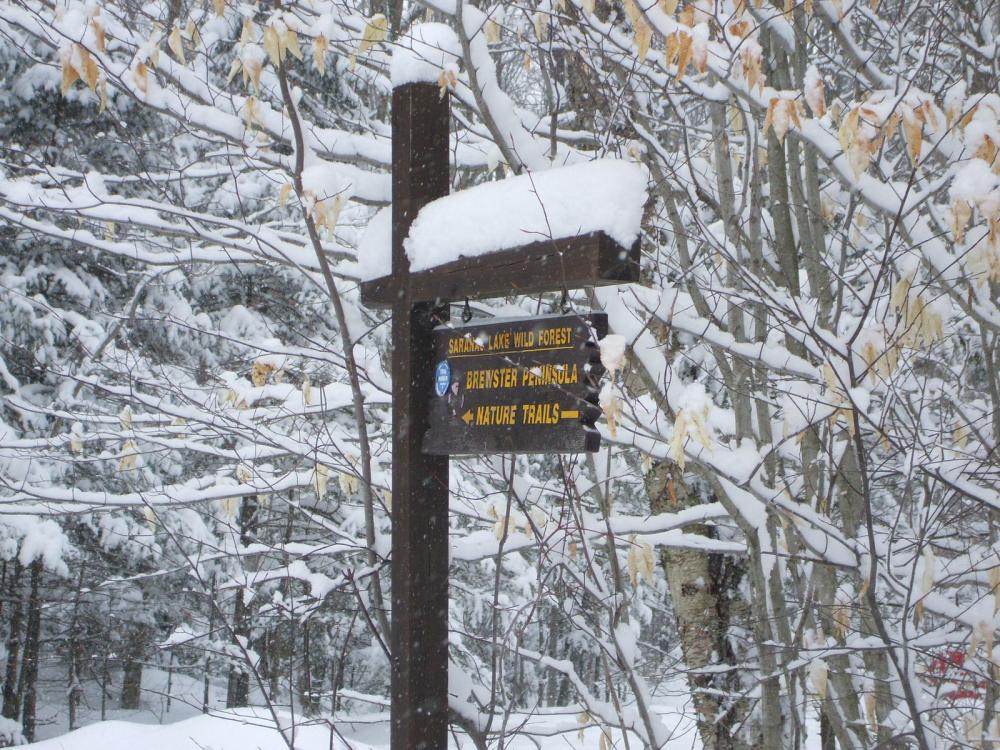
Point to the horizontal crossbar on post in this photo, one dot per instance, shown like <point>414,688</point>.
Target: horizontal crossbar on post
<point>545,266</point>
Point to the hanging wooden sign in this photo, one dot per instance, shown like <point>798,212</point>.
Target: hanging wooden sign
<point>516,385</point>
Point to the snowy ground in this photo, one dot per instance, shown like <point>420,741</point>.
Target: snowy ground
<point>155,726</point>
<point>253,731</point>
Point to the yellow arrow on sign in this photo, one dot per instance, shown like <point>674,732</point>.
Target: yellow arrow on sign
<point>467,417</point>
<point>570,414</point>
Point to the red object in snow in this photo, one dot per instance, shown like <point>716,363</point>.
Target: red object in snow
<point>949,667</point>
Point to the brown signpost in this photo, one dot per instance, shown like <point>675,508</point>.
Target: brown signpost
<point>517,385</point>
<point>423,437</point>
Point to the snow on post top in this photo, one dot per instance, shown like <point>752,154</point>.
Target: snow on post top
<point>603,195</point>
<point>375,247</point>
<point>422,55</point>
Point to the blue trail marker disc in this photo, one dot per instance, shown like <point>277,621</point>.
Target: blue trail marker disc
<point>442,377</point>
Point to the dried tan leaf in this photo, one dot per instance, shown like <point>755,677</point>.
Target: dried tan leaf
<point>447,81</point>
<point>176,45</point>
<point>739,29</point>
<point>250,114</point>
<point>290,40</point>
<point>913,135</point>
<point>848,131</point>
<point>100,39</point>
<point>272,45</point>
<point>320,47</point>
<point>375,31</point>
<point>795,112</point>
<point>234,69</point>
<point>987,150</point>
<point>69,75</point>
<point>349,483</point>
<point>816,98</point>
<point>248,34</point>
<point>683,54</point>
<point>90,71</point>
<point>191,34</point>
<point>672,46</point>
<point>643,39</point>
<point>819,676</point>
<point>541,24</point>
<point>260,372</point>
<point>493,31</point>
<point>961,212</point>
<point>769,117</point>
<point>141,77</point>
<point>321,480</point>
<point>128,457</point>
<point>994,578</point>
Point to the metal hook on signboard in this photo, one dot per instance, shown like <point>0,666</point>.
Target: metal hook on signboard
<point>564,305</point>
<point>466,312</point>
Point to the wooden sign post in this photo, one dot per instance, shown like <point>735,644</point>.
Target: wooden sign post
<point>425,433</point>
<point>419,710</point>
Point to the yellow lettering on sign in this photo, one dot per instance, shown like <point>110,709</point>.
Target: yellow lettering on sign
<point>511,342</point>
<point>496,415</point>
<point>500,341</point>
<point>555,336</point>
<point>540,414</point>
<point>550,375</point>
<point>502,377</point>
<point>463,345</point>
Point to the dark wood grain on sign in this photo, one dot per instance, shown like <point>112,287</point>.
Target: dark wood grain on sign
<point>527,385</point>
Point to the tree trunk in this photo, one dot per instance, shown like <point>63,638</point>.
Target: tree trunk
<point>308,686</point>
<point>11,703</point>
<point>170,680</point>
<point>32,644</point>
<point>131,683</point>
<point>105,680</point>
<point>700,585</point>
<point>73,655</point>
<point>208,651</point>
<point>238,687</point>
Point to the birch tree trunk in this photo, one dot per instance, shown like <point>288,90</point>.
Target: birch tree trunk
<point>702,587</point>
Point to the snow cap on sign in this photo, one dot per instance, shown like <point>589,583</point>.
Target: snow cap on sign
<point>420,55</point>
<point>375,247</point>
<point>605,195</point>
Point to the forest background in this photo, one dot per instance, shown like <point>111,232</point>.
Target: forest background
<point>793,524</point>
